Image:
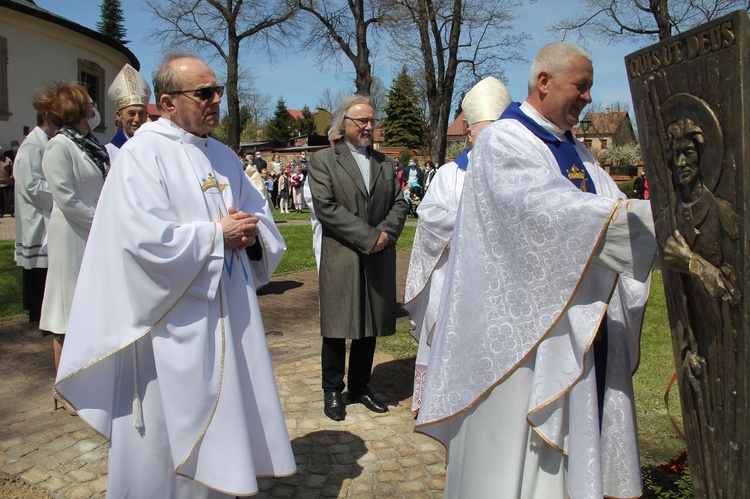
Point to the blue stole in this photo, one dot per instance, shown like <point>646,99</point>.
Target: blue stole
<point>565,153</point>
<point>119,139</point>
<point>462,160</point>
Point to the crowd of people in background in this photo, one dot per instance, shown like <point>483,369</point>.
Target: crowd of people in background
<point>282,183</point>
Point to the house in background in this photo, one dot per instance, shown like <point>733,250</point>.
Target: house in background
<point>600,132</point>
<point>456,137</point>
<point>321,116</point>
<point>38,46</point>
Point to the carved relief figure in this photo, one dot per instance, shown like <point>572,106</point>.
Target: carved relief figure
<point>706,227</point>
<point>699,233</point>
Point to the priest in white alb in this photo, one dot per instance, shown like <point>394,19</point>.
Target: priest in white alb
<point>529,383</point>
<point>165,352</point>
<point>33,205</point>
<point>130,94</point>
<point>482,105</point>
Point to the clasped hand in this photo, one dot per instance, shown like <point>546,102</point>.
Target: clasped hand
<point>240,229</point>
<point>381,244</point>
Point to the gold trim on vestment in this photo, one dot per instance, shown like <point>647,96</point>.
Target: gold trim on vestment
<point>533,349</point>
<point>147,331</point>
<point>221,380</point>
<point>585,351</point>
<point>235,493</point>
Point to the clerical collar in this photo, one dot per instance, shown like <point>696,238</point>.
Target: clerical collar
<point>535,115</point>
<point>359,150</point>
<point>185,136</point>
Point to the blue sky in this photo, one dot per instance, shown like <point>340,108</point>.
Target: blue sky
<point>297,79</point>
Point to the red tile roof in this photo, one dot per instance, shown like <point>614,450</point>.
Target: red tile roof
<point>458,127</point>
<point>296,113</point>
<point>605,123</point>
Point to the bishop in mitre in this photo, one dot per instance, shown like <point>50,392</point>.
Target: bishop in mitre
<point>130,94</point>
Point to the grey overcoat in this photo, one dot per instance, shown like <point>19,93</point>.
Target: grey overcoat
<point>357,288</point>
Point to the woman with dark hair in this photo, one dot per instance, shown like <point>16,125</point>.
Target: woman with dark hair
<point>75,165</point>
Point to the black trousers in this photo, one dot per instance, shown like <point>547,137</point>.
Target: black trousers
<point>333,360</point>
<point>7,200</point>
<point>33,292</point>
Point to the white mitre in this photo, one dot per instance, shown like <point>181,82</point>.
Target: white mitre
<point>129,89</point>
<point>486,101</point>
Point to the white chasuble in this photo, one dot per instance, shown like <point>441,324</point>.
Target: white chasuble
<point>429,255</point>
<point>525,292</point>
<point>166,352</point>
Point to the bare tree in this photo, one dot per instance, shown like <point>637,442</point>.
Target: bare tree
<point>219,28</point>
<point>452,38</point>
<point>329,100</point>
<point>341,28</point>
<point>378,95</point>
<point>611,20</point>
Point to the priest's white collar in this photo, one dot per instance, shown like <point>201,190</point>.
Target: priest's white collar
<point>166,127</point>
<point>359,150</point>
<point>535,115</point>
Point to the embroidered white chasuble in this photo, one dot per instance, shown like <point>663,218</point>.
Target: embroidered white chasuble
<point>156,278</point>
<point>427,265</point>
<point>511,384</point>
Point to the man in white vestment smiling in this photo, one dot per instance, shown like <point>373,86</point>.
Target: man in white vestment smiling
<point>529,383</point>
<point>482,105</point>
<point>165,352</point>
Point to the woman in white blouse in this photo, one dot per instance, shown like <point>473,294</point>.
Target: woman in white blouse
<point>75,165</point>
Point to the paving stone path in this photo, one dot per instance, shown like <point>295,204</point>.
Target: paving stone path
<point>366,455</point>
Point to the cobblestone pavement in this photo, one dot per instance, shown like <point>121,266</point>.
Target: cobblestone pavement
<point>366,455</point>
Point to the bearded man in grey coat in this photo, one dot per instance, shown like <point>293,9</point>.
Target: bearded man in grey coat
<point>359,204</point>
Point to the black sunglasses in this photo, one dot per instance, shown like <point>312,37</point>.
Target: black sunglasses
<point>204,93</point>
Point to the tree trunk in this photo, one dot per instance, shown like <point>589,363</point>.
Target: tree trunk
<point>233,100</point>
<point>660,11</point>
<point>362,67</point>
<point>441,98</point>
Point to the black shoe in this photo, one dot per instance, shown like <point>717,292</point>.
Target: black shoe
<point>333,406</point>
<point>367,398</point>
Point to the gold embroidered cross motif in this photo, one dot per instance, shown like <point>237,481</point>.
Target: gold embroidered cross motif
<point>211,182</point>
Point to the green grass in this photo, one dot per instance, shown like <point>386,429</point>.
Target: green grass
<point>401,345</point>
<point>658,439</point>
<point>11,299</point>
<point>299,254</point>
<point>278,216</point>
<point>407,237</point>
